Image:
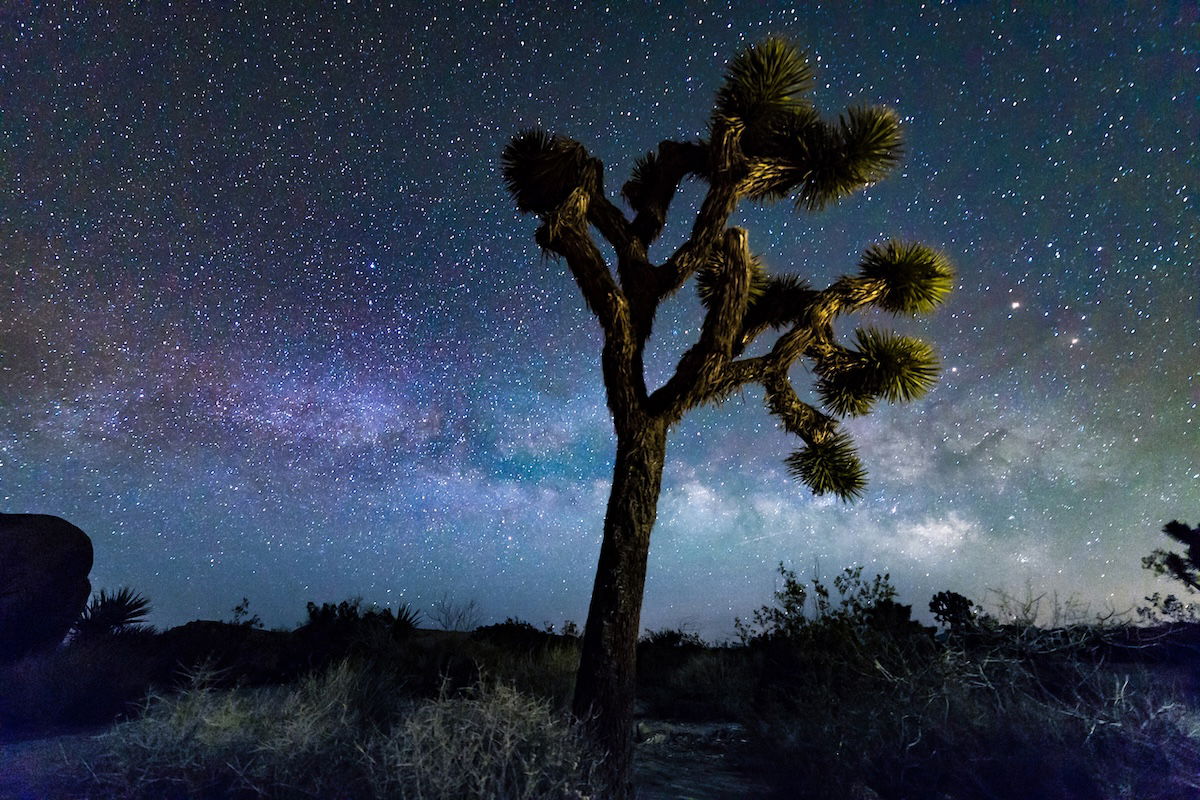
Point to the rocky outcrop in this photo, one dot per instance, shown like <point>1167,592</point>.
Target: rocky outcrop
<point>44,566</point>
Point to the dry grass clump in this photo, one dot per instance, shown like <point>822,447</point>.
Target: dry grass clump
<point>492,742</point>
<point>345,733</point>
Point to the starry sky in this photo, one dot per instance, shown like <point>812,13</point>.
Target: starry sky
<point>271,327</point>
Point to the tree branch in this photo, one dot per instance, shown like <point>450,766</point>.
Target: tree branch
<point>565,232</point>
<point>726,167</point>
<point>737,375</point>
<point>655,180</point>
<point>633,268</point>
<point>704,362</point>
<point>781,301</point>
<point>798,417</point>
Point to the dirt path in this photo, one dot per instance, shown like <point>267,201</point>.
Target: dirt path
<point>684,761</point>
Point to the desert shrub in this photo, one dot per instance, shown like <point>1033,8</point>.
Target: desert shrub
<point>670,638</point>
<point>569,629</point>
<point>537,662</point>
<point>514,634</point>
<point>333,631</point>
<point>243,617</point>
<point>844,702</point>
<point>702,684</point>
<point>547,672</point>
<point>798,614</point>
<point>349,618</point>
<point>207,742</point>
<point>672,668</point>
<point>1167,610</point>
<point>346,732</point>
<point>953,610</point>
<point>492,742</point>
<point>453,615</point>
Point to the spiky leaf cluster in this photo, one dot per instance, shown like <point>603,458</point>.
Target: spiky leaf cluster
<point>762,81</point>
<point>916,278</point>
<point>108,614</point>
<point>782,300</point>
<point>642,175</point>
<point>817,163</point>
<point>830,466</point>
<point>541,170</point>
<point>896,368</point>
<point>837,160</point>
<point>844,393</point>
<point>709,279</point>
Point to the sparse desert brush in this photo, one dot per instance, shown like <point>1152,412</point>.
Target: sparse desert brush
<point>536,662</point>
<point>970,728</point>
<point>492,742</point>
<point>1007,711</point>
<point>347,732</point>
<point>205,742</point>
<point>546,672</point>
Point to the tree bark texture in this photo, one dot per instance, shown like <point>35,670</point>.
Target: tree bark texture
<point>604,688</point>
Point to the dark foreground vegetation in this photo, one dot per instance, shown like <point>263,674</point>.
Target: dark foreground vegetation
<point>838,692</point>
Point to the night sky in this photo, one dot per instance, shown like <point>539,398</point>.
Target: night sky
<point>271,327</point>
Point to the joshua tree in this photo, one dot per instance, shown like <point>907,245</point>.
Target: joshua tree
<point>765,142</point>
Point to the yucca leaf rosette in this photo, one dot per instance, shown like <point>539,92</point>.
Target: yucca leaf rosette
<point>541,170</point>
<point>830,466</point>
<point>915,277</point>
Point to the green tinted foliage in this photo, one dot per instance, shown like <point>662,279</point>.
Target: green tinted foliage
<point>896,368</point>
<point>899,368</point>
<point>838,160</point>
<point>763,80</point>
<point>830,467</point>
<point>916,277</point>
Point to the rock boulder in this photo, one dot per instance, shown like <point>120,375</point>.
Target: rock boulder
<point>44,566</point>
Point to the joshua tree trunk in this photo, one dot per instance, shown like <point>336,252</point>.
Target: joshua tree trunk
<point>604,688</point>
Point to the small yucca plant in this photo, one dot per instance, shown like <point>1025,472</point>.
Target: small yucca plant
<point>107,614</point>
<point>407,619</point>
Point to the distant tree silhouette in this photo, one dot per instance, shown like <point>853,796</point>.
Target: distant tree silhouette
<point>952,609</point>
<point>765,142</point>
<point>1183,568</point>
